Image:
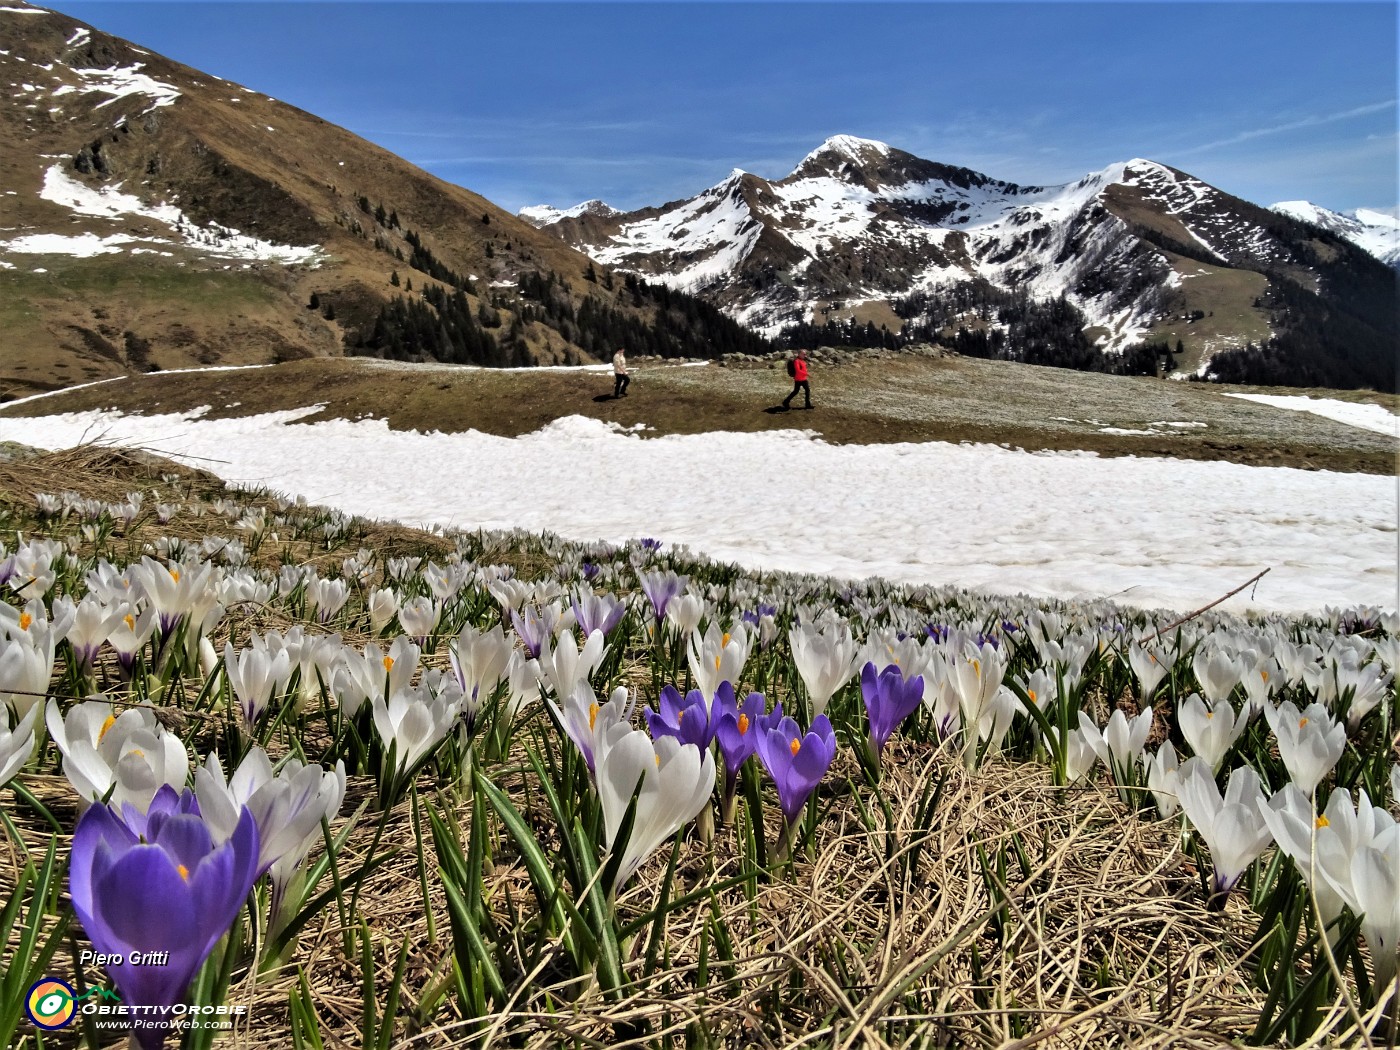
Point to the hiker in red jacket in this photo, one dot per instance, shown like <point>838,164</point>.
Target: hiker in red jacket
<point>798,370</point>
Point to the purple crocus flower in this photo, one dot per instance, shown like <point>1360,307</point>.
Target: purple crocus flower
<point>649,544</point>
<point>690,719</point>
<point>889,700</point>
<point>660,588</point>
<point>589,570</point>
<point>796,762</point>
<point>535,627</point>
<point>166,890</point>
<point>737,728</point>
<point>597,612</point>
<point>737,725</point>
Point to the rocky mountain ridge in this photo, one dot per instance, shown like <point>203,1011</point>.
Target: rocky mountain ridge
<point>863,232</point>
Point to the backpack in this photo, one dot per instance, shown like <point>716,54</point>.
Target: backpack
<point>792,367</point>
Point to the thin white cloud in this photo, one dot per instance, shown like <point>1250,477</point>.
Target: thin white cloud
<point>1293,125</point>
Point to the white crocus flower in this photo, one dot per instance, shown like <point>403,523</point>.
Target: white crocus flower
<point>130,634</point>
<point>585,721</point>
<point>287,808</point>
<point>1348,856</point>
<point>419,618</point>
<point>718,656</point>
<point>1211,732</point>
<point>1319,846</point>
<point>445,581</point>
<point>1260,678</point>
<point>1367,687</point>
<point>177,592</point>
<point>997,717</point>
<point>479,659</point>
<point>1387,650</point>
<point>684,613</point>
<point>1232,827</point>
<point>1309,742</point>
<point>976,675</point>
<point>1217,672</point>
<point>940,694</point>
<point>129,754</point>
<point>17,744</point>
<point>523,678</point>
<point>413,722</point>
<point>1375,896</point>
<point>373,673</point>
<point>256,675</point>
<point>383,606</point>
<point>676,782</point>
<point>92,624</point>
<point>327,597</point>
<point>1081,750</point>
<point>26,661</point>
<point>1149,667</point>
<point>1121,745</point>
<point>32,571</point>
<point>566,665</point>
<point>1040,689</point>
<point>825,659</point>
<point>510,594</point>
<point>1163,779</point>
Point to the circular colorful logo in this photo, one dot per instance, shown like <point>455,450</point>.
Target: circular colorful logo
<point>50,1004</point>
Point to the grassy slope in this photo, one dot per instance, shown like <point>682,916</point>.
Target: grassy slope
<point>869,401</point>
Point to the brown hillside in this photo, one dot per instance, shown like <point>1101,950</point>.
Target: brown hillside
<point>158,296</point>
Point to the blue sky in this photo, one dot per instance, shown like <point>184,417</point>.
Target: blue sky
<point>554,103</point>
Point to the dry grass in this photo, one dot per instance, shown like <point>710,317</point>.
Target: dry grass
<point>866,402</point>
<point>1105,942</point>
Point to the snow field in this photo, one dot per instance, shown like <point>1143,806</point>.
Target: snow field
<point>1376,418</point>
<point>1147,532</point>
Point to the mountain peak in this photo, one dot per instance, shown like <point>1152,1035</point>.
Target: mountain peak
<point>541,215</point>
<point>841,150</point>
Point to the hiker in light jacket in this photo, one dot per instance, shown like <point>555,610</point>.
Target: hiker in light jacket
<point>620,376</point>
<point>799,381</point>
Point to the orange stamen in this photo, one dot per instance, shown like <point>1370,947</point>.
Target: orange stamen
<point>795,746</point>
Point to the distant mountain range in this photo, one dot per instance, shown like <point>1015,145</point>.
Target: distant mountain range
<point>862,234</point>
<point>1376,232</point>
<point>155,217</point>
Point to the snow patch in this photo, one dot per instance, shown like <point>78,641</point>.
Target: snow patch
<point>125,81</point>
<point>1367,416</point>
<point>1333,540</point>
<point>111,203</point>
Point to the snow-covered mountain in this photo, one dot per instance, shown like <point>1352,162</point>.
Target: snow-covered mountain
<point>860,229</point>
<point>542,214</point>
<point>1372,230</point>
